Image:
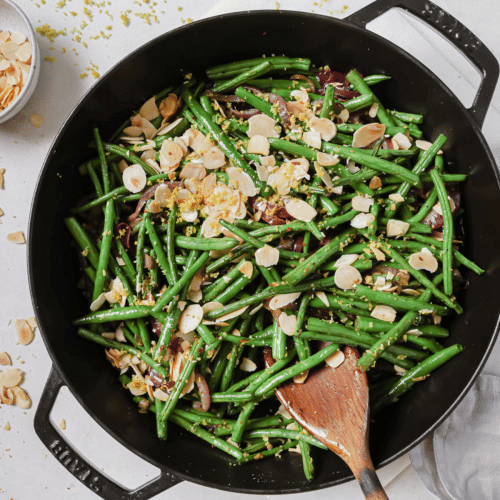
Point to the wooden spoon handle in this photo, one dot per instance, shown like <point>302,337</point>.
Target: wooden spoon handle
<point>370,484</point>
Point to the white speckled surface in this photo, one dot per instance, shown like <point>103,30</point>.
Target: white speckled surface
<point>27,469</point>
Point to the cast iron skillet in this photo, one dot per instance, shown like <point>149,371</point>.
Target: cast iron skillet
<point>54,270</point>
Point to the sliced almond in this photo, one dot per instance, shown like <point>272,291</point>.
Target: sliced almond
<point>242,182</point>
<point>190,318</point>
<point>21,399</point>
<point>267,256</point>
<point>423,260</point>
<point>25,334</point>
<point>425,145</point>
<point>149,110</point>
<point>375,183</point>
<point>300,96</point>
<point>396,197</point>
<point>163,195</point>
<point>198,141</point>
<point>437,207</point>
<point>288,323</point>
<point>259,144</point>
<point>18,37</point>
<point>210,306</point>
<point>6,427</point>
<point>5,359</point>
<point>247,365</point>
<point>372,113</point>
<point>134,178</point>
<point>379,255</point>
<point>322,296</point>
<point>301,377</point>
<point>335,359</point>
<point>246,268</point>
<point>262,125</point>
<point>36,120</point>
<point>402,141</point>
<point>397,227</point>
<point>6,396</point>
<point>325,127</point>
<point>384,313</point>
<point>193,171</point>
<point>11,377</point>
<point>344,115</point>
<point>268,161</point>
<point>282,300</point>
<point>168,106</point>
<point>232,315</point>
<point>16,237</point>
<point>312,139</point>
<point>361,221</point>
<point>327,160</point>
<point>10,50</point>
<point>348,259</point>
<point>214,158</point>
<point>300,210</point>
<point>347,277</point>
<point>169,127</point>
<point>171,155</point>
<point>262,173</point>
<point>24,53</point>
<point>367,134</point>
<point>362,204</point>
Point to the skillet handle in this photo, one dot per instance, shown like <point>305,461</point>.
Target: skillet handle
<point>455,32</point>
<point>74,463</point>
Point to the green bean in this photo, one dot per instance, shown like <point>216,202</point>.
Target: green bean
<point>302,345</point>
<point>235,287</point>
<point>139,259</point>
<point>428,344</point>
<point>204,243</point>
<point>390,130</point>
<point>113,344</point>
<point>242,422</point>
<point>173,273</point>
<point>182,379</point>
<point>307,461</point>
<point>129,156</point>
<point>407,117</point>
<point>169,328</point>
<point>423,369</point>
<point>257,102</point>
<point>327,109</point>
<point>127,266</point>
<point>279,342</point>
<point>161,425</point>
<point>284,433</point>
<point>95,180</point>
<point>276,450</point>
<point>102,158</point>
<point>89,250</point>
<point>257,70</point>
<point>361,86</point>
<point>186,278</point>
<point>161,257</point>
<point>447,232</point>
<point>328,205</point>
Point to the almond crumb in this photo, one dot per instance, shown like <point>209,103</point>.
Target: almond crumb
<point>17,237</point>
<point>62,425</point>
<point>6,427</point>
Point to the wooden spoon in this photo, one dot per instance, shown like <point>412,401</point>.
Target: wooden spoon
<point>332,405</point>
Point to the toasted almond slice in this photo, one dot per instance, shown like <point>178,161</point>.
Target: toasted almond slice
<point>324,175</point>
<point>119,335</point>
<point>301,378</point>
<point>190,318</point>
<point>423,260</point>
<point>161,395</point>
<point>415,331</point>
<point>425,145</point>
<point>149,110</point>
<point>300,96</point>
<point>397,227</point>
<point>169,106</point>
<point>384,313</point>
<point>6,427</point>
<point>375,183</point>
<point>437,207</point>
<point>10,50</point>
<point>190,216</point>
<point>5,359</point>
<point>163,195</point>
<point>282,300</point>
<point>267,161</point>
<point>335,359</point>
<point>25,334</point>
<point>246,268</point>
<point>325,127</point>
<point>198,141</point>
<point>231,315</point>
<point>98,302</point>
<point>193,171</point>
<point>300,210</point>
<point>4,36</point>
<point>362,204</point>
<point>21,399</point>
<point>396,197</point>
<point>312,139</point>
<point>169,127</point>
<point>379,255</point>
<point>133,131</point>
<point>411,291</point>
<point>327,160</point>
<point>267,256</point>
<point>6,396</point>
<point>210,306</point>
<point>344,115</point>
<point>401,371</point>
<point>214,158</point>
<point>242,182</point>
<point>36,120</point>
<point>367,134</point>
<point>372,113</point>
<point>351,166</point>
<point>348,259</point>
<point>361,221</point>
<point>347,277</point>
<point>183,145</point>
<point>337,189</point>
<point>134,178</point>
<point>11,377</point>
<point>247,365</point>
<point>262,173</point>
<point>16,237</point>
<point>402,141</point>
<point>4,64</point>
<point>322,296</point>
<point>288,323</point>
<point>18,37</point>
<point>262,125</point>
<point>210,228</point>
<point>259,144</point>
<point>171,155</point>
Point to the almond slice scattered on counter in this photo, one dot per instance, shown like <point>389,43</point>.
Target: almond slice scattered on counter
<point>24,331</point>
<point>17,237</point>
<point>5,359</point>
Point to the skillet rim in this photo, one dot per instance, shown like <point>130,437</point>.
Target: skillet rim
<point>296,16</point>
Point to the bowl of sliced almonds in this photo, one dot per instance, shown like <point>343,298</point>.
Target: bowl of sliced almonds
<point>19,60</point>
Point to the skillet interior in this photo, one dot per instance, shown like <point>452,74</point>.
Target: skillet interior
<point>54,269</point>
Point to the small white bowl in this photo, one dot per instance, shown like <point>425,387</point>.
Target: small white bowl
<point>12,18</point>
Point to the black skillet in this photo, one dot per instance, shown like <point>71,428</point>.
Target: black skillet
<point>53,268</point>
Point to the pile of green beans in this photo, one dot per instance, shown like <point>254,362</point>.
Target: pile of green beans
<point>145,264</point>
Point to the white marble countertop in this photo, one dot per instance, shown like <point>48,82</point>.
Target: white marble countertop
<point>27,469</point>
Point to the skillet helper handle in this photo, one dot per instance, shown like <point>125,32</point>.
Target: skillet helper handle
<point>77,465</point>
<point>455,32</point>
